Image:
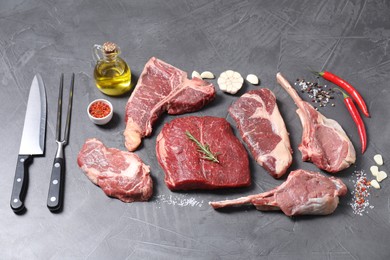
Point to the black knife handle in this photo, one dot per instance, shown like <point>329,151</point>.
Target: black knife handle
<point>56,186</point>
<point>19,188</point>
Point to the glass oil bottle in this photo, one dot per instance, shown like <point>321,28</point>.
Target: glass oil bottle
<point>112,74</point>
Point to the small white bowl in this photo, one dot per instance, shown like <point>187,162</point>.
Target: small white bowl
<point>102,120</point>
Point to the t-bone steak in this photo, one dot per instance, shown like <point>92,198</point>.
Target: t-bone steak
<point>184,166</point>
<point>324,141</point>
<point>262,128</point>
<point>162,88</point>
<point>303,193</point>
<point>120,174</point>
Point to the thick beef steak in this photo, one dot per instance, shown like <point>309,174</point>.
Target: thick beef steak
<point>162,87</point>
<point>324,141</point>
<point>119,174</point>
<point>184,167</point>
<point>262,128</point>
<point>303,193</point>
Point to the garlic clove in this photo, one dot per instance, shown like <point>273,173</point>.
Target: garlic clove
<point>222,83</point>
<point>229,88</point>
<point>237,85</point>
<point>195,74</point>
<point>236,75</point>
<point>239,79</point>
<point>374,170</point>
<point>375,184</point>
<point>253,79</point>
<point>207,75</point>
<point>378,159</point>
<point>233,91</point>
<point>381,176</point>
<point>229,73</point>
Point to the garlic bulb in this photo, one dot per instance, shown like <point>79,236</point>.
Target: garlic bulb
<point>230,81</point>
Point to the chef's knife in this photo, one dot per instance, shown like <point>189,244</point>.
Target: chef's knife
<point>33,140</point>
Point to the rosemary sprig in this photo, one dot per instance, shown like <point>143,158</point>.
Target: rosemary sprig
<point>205,149</point>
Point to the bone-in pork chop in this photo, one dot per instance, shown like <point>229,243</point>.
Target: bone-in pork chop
<point>303,193</point>
<point>324,141</point>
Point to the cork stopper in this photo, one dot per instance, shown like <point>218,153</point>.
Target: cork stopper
<point>110,47</point>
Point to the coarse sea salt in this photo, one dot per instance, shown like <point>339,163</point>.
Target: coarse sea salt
<point>179,200</point>
<point>319,94</point>
<point>360,194</point>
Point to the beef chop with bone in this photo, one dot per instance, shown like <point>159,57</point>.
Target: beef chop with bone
<point>303,193</point>
<point>119,174</point>
<point>262,128</point>
<point>324,141</point>
<point>162,88</point>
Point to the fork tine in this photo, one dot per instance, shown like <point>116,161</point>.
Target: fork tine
<point>68,116</point>
<point>59,109</point>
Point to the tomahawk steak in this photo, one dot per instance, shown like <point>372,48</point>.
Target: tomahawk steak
<point>303,193</point>
<point>324,141</point>
<point>119,174</point>
<point>262,128</point>
<point>185,166</point>
<point>160,88</point>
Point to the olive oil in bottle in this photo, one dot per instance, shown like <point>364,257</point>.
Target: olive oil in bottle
<point>112,74</point>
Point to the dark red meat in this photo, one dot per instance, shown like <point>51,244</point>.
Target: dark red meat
<point>262,128</point>
<point>162,88</point>
<point>303,193</point>
<point>120,174</point>
<point>183,164</point>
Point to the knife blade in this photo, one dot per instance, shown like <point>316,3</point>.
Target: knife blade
<point>32,141</point>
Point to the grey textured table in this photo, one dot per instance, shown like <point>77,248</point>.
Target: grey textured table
<point>350,38</point>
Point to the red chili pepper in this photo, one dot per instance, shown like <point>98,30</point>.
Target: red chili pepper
<point>347,87</point>
<point>357,119</point>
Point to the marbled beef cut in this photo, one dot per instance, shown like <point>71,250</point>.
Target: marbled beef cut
<point>119,174</point>
<point>183,164</point>
<point>162,88</point>
<point>303,193</point>
<point>262,128</point>
<point>324,141</point>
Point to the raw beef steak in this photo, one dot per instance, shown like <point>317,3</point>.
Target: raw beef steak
<point>262,128</point>
<point>324,141</point>
<point>162,87</point>
<point>120,174</point>
<point>184,167</point>
<point>303,193</point>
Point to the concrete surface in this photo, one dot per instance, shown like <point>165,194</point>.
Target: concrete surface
<point>350,38</point>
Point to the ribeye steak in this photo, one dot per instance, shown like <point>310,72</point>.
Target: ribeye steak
<point>303,193</point>
<point>324,141</point>
<point>120,174</point>
<point>262,128</point>
<point>184,167</point>
<point>162,87</point>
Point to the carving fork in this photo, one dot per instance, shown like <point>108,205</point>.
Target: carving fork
<point>56,187</point>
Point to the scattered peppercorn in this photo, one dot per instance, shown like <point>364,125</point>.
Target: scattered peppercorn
<point>319,94</point>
